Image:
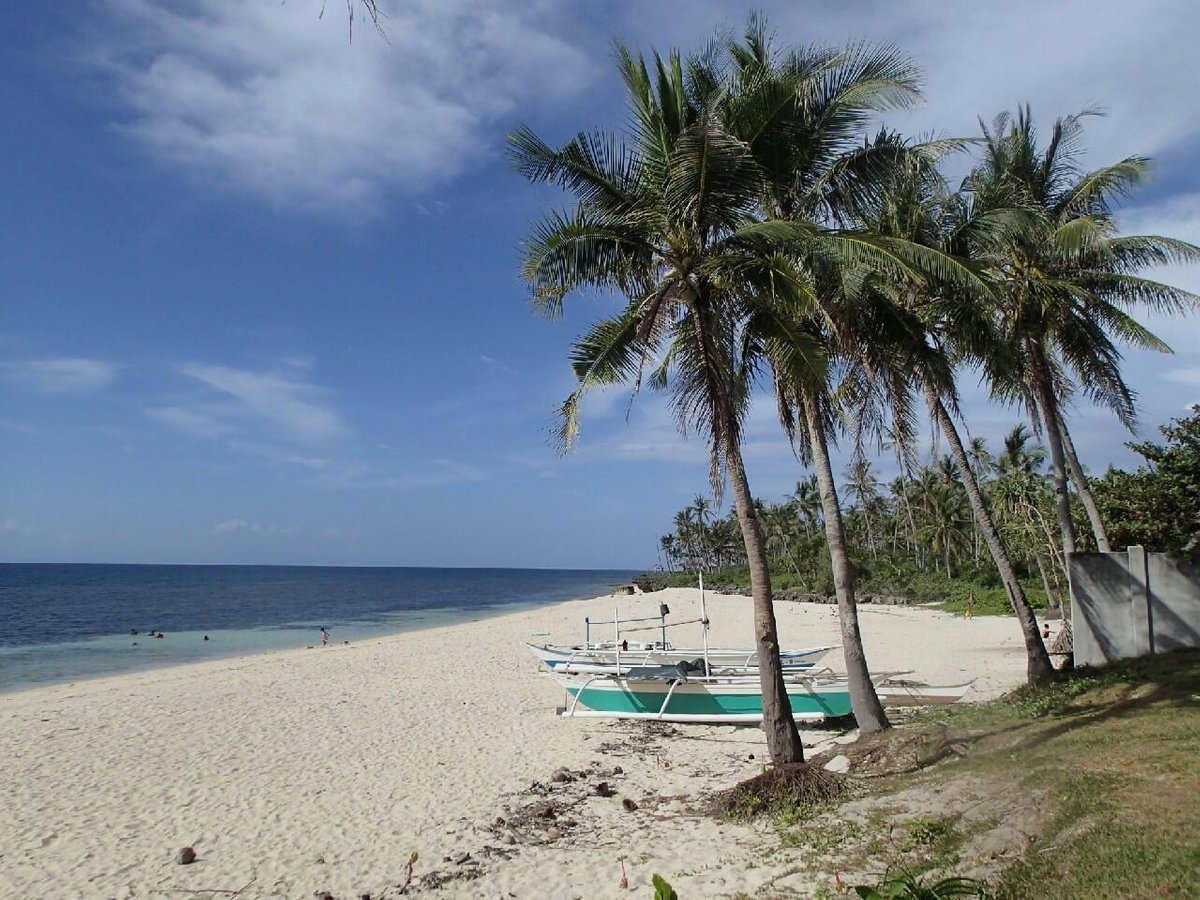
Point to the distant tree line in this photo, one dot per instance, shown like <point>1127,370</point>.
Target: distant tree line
<point>922,522</point>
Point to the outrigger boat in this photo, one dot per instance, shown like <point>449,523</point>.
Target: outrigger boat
<point>620,654</point>
<point>621,679</point>
<point>682,693</point>
<point>617,659</point>
<point>897,691</point>
<point>670,694</point>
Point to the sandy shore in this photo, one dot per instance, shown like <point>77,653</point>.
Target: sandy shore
<point>323,769</point>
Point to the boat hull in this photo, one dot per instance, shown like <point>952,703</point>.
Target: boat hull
<point>898,692</point>
<point>700,700</point>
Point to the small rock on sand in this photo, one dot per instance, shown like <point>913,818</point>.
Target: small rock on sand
<point>838,764</point>
<point>186,856</point>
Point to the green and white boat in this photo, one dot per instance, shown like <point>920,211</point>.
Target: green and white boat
<point>668,694</point>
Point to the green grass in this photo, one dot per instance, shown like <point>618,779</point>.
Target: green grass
<point>1111,758</point>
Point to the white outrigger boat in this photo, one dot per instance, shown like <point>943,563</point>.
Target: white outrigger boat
<point>617,659</point>
<point>625,679</point>
<point>618,655</point>
<point>895,690</point>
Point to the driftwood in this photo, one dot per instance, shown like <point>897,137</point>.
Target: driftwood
<point>231,893</point>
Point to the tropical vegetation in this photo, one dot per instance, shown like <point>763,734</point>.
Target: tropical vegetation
<point>766,241</point>
<point>914,538</point>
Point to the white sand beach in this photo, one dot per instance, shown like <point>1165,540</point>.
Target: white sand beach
<point>321,770</point>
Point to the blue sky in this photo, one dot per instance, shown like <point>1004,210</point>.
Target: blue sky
<point>259,293</point>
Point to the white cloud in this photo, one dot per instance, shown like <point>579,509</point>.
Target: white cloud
<point>1137,61</point>
<point>192,421</point>
<point>275,100</point>
<point>62,375</point>
<point>241,525</point>
<point>296,406</point>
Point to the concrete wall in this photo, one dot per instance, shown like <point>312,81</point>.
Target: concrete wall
<point>1132,603</point>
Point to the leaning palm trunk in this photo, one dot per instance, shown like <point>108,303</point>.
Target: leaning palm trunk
<point>863,699</point>
<point>783,740</point>
<point>1062,500</point>
<point>1037,661</point>
<point>1085,491</point>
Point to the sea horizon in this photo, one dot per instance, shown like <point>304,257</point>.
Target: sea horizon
<point>71,621</point>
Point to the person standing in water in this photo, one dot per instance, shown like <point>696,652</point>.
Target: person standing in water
<point>324,637</point>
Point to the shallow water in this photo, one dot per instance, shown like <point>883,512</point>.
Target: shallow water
<point>67,622</point>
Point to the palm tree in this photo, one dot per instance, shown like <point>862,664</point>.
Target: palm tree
<point>667,220</point>
<point>803,117</point>
<point>669,547</point>
<point>863,488</point>
<point>700,508</point>
<point>952,327</point>
<point>807,501</point>
<point>946,522</point>
<point>1068,282</point>
<point>982,463</point>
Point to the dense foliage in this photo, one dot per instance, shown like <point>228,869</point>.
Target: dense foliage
<point>915,536</point>
<point>1158,505</point>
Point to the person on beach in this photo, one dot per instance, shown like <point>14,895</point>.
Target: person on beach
<point>324,637</point>
<point>1045,631</point>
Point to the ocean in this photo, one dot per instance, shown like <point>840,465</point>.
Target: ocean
<point>61,623</point>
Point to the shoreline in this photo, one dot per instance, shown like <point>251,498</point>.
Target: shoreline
<point>324,769</point>
<point>414,620</point>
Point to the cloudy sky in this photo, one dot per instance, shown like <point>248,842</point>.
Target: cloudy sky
<point>259,298</point>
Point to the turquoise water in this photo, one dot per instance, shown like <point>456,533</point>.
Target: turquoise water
<point>68,622</point>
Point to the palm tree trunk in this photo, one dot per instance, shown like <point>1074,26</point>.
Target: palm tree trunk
<point>1085,492</point>
<point>863,699</point>
<point>1051,597</point>
<point>1062,499</point>
<point>1037,661</point>
<point>783,740</point>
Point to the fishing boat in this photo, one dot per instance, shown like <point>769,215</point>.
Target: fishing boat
<point>672,694</point>
<point>627,650</point>
<point>898,691</point>
<point>609,657</point>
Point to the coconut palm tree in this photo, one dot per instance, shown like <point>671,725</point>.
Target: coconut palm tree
<point>951,327</point>
<point>701,510</point>
<point>803,116</point>
<point>862,487</point>
<point>667,219</point>
<point>1068,283</point>
<point>946,522</point>
<point>807,501</point>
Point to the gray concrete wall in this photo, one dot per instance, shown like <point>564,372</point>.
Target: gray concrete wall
<point>1132,603</point>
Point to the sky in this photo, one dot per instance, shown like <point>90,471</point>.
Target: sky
<point>259,278</point>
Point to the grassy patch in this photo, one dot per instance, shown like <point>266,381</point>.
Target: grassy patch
<point>1085,786</point>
